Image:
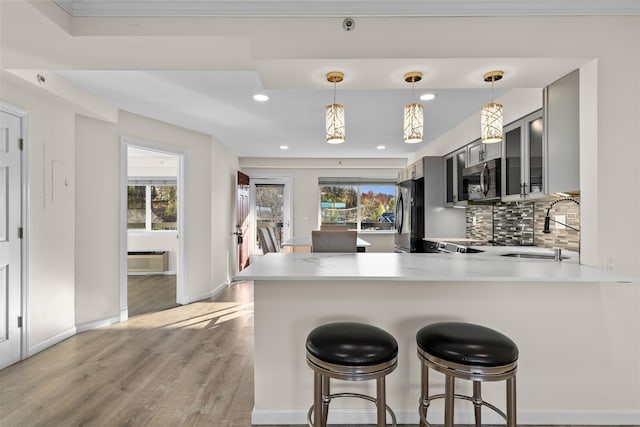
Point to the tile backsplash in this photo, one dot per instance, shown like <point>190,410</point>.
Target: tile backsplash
<point>521,223</point>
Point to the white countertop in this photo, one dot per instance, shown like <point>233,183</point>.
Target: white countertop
<point>487,266</point>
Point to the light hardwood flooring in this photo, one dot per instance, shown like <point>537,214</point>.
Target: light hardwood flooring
<point>150,292</point>
<point>185,366</point>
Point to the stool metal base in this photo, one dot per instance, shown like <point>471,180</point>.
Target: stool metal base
<point>477,374</point>
<point>323,372</point>
<point>356,395</point>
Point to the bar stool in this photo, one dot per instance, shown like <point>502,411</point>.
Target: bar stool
<point>471,352</point>
<point>352,352</point>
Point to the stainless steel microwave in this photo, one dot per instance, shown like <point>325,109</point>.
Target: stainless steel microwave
<point>482,181</point>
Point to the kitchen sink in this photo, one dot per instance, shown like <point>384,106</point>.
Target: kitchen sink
<point>532,256</point>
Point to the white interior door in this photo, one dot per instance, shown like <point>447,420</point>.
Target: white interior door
<point>10,241</point>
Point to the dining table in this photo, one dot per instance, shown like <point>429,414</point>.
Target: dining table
<point>305,242</point>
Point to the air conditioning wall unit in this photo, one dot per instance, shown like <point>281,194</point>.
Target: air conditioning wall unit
<point>148,261</point>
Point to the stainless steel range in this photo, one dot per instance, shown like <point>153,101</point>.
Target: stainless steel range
<point>435,246</point>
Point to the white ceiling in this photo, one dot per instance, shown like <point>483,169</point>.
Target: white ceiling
<point>220,103</point>
<point>181,81</point>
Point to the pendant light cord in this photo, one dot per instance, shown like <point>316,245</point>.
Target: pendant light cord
<point>493,80</point>
<point>334,90</point>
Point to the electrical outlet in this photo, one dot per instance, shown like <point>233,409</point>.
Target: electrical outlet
<point>611,264</point>
<point>473,220</point>
<point>562,219</point>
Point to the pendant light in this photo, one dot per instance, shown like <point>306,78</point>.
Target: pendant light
<point>335,112</point>
<point>491,117</point>
<point>413,113</point>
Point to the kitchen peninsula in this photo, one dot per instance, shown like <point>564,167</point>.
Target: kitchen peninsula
<point>578,353</point>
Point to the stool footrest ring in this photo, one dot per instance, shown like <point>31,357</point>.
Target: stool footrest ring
<point>428,400</point>
<point>357,395</point>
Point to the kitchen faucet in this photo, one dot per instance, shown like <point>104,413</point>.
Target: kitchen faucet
<point>547,218</point>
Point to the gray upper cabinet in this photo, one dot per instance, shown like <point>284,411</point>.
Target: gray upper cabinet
<point>454,165</point>
<point>477,152</point>
<point>561,104</point>
<point>522,164</point>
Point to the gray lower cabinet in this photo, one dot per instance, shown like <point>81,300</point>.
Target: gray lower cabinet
<point>561,104</point>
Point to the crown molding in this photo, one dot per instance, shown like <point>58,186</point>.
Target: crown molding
<point>332,8</point>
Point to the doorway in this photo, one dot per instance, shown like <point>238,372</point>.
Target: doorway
<point>152,226</point>
<point>271,207</point>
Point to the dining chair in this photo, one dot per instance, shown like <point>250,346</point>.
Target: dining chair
<point>333,241</point>
<point>274,239</point>
<point>266,243</point>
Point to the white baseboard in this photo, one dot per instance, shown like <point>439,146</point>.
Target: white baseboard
<point>208,295</point>
<point>34,349</point>
<point>220,288</point>
<point>410,416</point>
<point>97,324</point>
<point>151,273</point>
<point>71,332</point>
<point>583,417</point>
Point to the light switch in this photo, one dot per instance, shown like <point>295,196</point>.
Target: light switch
<point>562,219</point>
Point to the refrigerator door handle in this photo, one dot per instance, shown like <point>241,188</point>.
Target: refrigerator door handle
<point>400,213</point>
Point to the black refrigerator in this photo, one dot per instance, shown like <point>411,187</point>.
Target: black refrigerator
<point>409,215</point>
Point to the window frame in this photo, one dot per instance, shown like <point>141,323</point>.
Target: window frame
<point>149,182</point>
<point>358,183</point>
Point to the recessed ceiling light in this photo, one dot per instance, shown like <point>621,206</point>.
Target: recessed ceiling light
<point>381,147</point>
<point>261,97</point>
<point>284,147</point>
<point>428,96</point>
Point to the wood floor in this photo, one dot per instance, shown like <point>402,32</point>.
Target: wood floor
<point>185,366</point>
<point>150,292</point>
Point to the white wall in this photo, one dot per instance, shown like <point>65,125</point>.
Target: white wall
<point>97,285</point>
<point>51,229</point>
<point>74,247</point>
<point>197,159</point>
<point>224,166</point>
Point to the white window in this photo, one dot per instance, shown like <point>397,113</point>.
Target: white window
<point>152,205</point>
<point>359,205</point>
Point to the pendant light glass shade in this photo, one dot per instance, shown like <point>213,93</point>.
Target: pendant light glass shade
<point>491,115</point>
<point>335,113</point>
<point>413,123</point>
<point>335,124</point>
<point>413,113</point>
<point>491,123</point>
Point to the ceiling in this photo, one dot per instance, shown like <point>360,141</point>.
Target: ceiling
<point>193,87</point>
<point>220,103</point>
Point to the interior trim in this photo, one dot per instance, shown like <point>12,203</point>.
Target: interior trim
<point>347,8</point>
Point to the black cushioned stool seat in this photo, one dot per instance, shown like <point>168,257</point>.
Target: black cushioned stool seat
<point>467,351</point>
<point>353,352</point>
